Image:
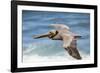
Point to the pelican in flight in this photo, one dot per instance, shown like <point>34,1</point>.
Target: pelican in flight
<point>63,33</point>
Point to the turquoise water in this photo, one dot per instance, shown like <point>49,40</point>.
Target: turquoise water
<point>36,22</point>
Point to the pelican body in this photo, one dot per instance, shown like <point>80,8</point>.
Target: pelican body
<point>63,33</point>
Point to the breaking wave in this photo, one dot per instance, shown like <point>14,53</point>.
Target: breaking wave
<point>34,54</point>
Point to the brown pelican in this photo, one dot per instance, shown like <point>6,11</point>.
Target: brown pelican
<point>64,34</point>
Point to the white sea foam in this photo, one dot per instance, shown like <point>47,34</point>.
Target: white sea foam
<point>34,59</point>
<point>57,57</point>
<point>30,57</point>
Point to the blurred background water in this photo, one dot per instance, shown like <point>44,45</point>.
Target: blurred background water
<point>37,22</point>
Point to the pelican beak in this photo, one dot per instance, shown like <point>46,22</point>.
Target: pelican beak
<point>41,36</point>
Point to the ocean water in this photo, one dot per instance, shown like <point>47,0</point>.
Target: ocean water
<point>37,22</point>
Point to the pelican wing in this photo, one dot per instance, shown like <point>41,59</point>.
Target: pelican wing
<point>70,45</point>
<point>67,39</point>
<point>60,26</point>
<point>73,48</point>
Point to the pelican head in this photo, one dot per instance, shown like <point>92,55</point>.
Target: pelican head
<point>53,33</point>
<point>50,34</point>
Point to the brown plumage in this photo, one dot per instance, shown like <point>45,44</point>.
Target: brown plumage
<point>69,39</point>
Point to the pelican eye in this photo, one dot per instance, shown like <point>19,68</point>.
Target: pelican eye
<point>51,34</point>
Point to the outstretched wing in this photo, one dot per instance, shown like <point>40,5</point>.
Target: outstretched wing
<point>67,39</point>
<point>74,50</point>
<point>70,44</point>
<point>60,26</point>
